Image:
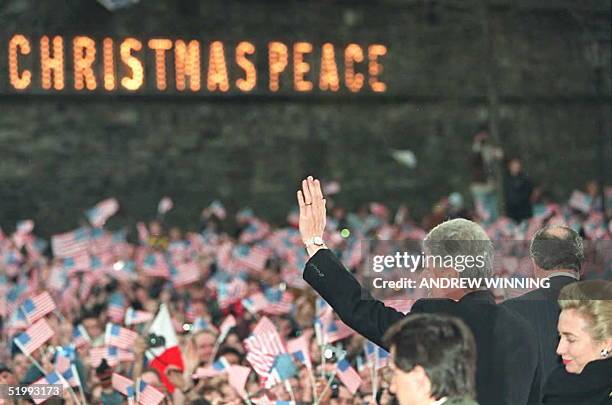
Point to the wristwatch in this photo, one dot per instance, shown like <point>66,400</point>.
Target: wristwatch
<point>316,241</point>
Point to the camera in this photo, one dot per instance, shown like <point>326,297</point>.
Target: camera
<point>154,340</point>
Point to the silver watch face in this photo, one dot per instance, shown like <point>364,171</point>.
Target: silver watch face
<point>317,240</point>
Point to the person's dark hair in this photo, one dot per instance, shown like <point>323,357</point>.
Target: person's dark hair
<point>90,313</point>
<point>557,247</point>
<point>443,345</point>
<point>199,401</point>
<point>229,350</point>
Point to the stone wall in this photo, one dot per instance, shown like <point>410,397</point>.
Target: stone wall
<point>60,153</point>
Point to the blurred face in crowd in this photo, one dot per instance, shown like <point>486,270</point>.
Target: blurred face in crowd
<point>232,358</point>
<point>296,388</point>
<point>281,393</point>
<point>252,387</point>
<point>344,397</point>
<point>92,326</point>
<point>175,234</point>
<point>515,167</point>
<point>592,188</point>
<point>142,295</point>
<point>252,287</point>
<point>153,379</point>
<point>304,315</point>
<point>233,340</point>
<point>204,345</point>
<point>410,387</point>
<point>576,346</point>
<point>284,326</point>
<point>228,392</point>
<point>20,366</point>
<point>7,377</point>
<point>366,380</point>
<point>155,228</point>
<point>315,351</point>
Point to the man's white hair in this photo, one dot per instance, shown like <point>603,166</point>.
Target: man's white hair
<point>461,237</point>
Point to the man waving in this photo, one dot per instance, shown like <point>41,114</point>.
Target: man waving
<point>506,352</point>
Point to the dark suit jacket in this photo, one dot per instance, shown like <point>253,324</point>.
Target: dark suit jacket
<point>540,308</point>
<point>591,387</point>
<point>507,352</point>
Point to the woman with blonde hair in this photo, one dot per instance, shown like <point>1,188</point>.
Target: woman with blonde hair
<point>585,346</point>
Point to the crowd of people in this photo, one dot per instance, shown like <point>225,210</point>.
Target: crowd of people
<point>223,314</point>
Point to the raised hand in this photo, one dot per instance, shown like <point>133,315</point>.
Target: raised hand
<point>312,214</point>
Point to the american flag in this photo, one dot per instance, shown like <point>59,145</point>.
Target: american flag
<point>283,369</point>
<point>228,323</point>
<point>80,337</point>
<point>63,359</point>
<point>87,283</point>
<point>116,307</point>
<point>147,394</point>
<point>279,302</point>
<point>251,257</point>
<point>24,227</point>
<point>120,245</point>
<point>376,356</point>
<point>263,346</point>
<point>255,303</point>
<point>124,385</point>
<point>154,265</point>
<point>12,259</point>
<point>51,378</point>
<point>37,307</point>
<point>225,259</point>
<point>125,355</point>
<point>179,252</point>
<point>101,242</point>
<point>300,350</point>
<point>184,274</point>
<point>337,330</point>
<point>135,316</point>
<point>228,293</point>
<point>78,262</point>
<point>580,201</point>
<point>218,367</point>
<point>121,337</point>
<point>70,243</point>
<point>71,376</point>
<point>14,298</point>
<point>237,378</point>
<point>217,209</point>
<point>16,322</point>
<point>97,354</point>
<point>35,247</point>
<point>102,211</point>
<point>34,337</point>
<point>57,279</point>
<point>255,230</point>
<point>347,374</point>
